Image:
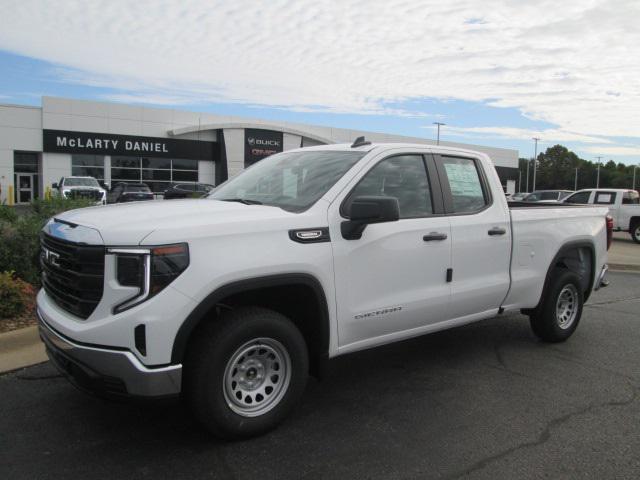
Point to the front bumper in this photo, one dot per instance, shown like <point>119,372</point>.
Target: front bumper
<point>112,373</point>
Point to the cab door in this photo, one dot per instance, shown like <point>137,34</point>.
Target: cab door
<point>393,279</point>
<point>480,235</point>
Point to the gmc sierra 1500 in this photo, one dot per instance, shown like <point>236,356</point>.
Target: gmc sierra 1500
<point>233,299</point>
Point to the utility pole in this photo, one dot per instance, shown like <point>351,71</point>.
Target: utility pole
<point>598,177</point>
<point>438,124</point>
<point>535,161</point>
<point>527,189</point>
<point>575,186</point>
<point>520,179</point>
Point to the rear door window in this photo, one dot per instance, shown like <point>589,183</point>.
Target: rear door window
<point>605,198</point>
<point>467,190</point>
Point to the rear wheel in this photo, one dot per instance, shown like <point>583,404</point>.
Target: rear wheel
<point>558,315</point>
<point>245,372</point>
<point>635,232</point>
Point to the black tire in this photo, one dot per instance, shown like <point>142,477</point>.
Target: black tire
<point>635,232</point>
<point>551,321</point>
<point>208,378</point>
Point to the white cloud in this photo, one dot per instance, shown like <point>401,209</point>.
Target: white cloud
<point>574,63</point>
<point>614,150</point>
<point>545,136</point>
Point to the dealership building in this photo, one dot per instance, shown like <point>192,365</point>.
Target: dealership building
<point>130,143</point>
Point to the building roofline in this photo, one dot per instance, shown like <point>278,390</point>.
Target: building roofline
<point>244,124</point>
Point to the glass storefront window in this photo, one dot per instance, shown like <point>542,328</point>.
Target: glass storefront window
<point>157,173</point>
<point>88,166</point>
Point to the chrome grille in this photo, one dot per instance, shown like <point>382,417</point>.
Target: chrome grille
<point>72,274</point>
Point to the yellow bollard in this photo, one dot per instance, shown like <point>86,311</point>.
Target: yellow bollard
<point>10,196</point>
<point>47,193</point>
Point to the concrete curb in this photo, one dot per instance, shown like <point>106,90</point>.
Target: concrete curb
<point>21,348</point>
<point>624,267</point>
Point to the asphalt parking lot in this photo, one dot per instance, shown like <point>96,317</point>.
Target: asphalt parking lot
<point>481,401</point>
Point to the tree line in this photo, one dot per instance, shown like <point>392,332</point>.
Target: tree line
<point>556,170</point>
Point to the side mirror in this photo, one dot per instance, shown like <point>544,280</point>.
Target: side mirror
<point>54,186</point>
<point>368,209</point>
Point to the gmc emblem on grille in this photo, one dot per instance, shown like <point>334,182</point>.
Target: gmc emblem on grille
<point>50,257</point>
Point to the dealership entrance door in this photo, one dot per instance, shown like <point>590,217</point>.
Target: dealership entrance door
<point>26,178</point>
<point>25,187</point>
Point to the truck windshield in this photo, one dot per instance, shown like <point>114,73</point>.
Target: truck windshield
<point>80,182</point>
<point>292,181</point>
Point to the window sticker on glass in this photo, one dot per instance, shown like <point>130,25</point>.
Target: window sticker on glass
<point>604,198</point>
<point>463,179</point>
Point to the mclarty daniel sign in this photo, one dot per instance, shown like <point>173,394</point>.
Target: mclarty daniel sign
<point>62,141</point>
<point>259,144</point>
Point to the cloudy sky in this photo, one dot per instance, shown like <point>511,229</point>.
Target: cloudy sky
<point>497,72</point>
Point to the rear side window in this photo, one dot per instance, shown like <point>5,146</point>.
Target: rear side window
<point>580,197</point>
<point>465,183</point>
<point>605,198</point>
<point>403,177</point>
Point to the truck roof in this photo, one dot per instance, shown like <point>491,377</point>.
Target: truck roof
<point>390,146</point>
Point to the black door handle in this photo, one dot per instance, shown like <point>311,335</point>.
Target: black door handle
<point>434,236</point>
<point>497,231</point>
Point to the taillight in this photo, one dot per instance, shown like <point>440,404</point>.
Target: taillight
<point>609,221</point>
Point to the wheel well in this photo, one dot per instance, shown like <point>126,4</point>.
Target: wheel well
<point>299,298</point>
<point>633,222</point>
<point>578,259</point>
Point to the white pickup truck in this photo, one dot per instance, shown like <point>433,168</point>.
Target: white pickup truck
<point>623,205</point>
<point>232,300</point>
<point>81,187</point>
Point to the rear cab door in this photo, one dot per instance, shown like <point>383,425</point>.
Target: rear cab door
<point>480,233</point>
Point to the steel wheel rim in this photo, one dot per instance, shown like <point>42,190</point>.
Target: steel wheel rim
<point>567,306</point>
<point>636,232</point>
<point>256,377</point>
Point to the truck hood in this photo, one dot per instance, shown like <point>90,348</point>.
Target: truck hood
<point>174,220</point>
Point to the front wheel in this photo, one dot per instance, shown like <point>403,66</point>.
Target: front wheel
<point>558,315</point>
<point>245,371</point>
<point>635,232</point>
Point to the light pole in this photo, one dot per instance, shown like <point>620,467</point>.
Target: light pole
<point>438,124</point>
<point>535,161</point>
<point>527,189</point>
<point>634,177</point>
<point>575,185</point>
<point>598,177</point>
<point>520,179</point>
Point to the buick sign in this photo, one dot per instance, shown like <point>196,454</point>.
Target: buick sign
<point>260,144</point>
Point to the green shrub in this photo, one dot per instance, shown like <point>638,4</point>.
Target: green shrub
<point>19,236</point>
<point>8,213</point>
<point>15,295</point>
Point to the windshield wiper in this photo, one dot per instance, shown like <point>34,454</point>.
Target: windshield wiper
<point>246,201</point>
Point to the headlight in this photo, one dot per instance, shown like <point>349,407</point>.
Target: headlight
<point>66,193</point>
<point>150,269</point>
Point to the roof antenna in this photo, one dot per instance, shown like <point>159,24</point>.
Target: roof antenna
<point>360,142</point>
